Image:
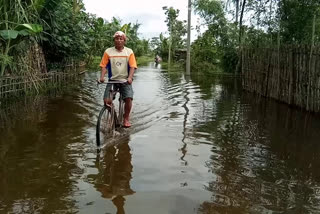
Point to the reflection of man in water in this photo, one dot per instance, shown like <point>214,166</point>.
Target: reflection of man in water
<point>118,201</point>
<point>115,175</point>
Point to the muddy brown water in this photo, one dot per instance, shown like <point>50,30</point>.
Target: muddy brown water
<point>197,145</point>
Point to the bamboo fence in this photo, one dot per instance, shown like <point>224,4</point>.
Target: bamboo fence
<point>14,86</point>
<point>289,74</point>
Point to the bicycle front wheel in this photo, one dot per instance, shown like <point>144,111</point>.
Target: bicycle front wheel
<point>121,112</point>
<point>105,126</point>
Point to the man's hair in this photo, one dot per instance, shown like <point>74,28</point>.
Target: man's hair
<point>121,34</point>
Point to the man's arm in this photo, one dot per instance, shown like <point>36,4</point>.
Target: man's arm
<point>133,66</point>
<point>103,73</point>
<point>103,65</point>
<point>130,77</point>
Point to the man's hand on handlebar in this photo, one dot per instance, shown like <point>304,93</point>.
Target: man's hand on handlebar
<point>101,80</point>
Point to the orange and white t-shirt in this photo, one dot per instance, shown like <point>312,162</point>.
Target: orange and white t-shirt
<point>118,63</point>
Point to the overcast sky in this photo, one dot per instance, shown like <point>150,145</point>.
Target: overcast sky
<point>148,13</point>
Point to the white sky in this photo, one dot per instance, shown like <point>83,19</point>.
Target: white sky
<point>148,13</point>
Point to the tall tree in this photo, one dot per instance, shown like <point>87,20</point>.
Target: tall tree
<point>176,28</point>
<point>218,43</point>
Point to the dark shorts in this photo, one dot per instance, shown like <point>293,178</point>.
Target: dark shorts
<point>125,89</point>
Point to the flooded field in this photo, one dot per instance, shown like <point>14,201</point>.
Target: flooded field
<point>197,145</point>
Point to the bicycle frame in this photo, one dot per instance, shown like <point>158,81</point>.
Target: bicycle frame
<point>118,118</point>
<point>106,128</point>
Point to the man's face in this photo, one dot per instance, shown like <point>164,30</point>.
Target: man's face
<point>119,42</point>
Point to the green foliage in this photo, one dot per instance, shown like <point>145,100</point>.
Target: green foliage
<point>296,20</point>
<point>8,34</point>
<point>17,23</point>
<point>67,33</point>
<point>289,22</point>
<point>20,30</point>
<point>143,60</point>
<point>230,60</point>
<point>142,48</point>
<point>161,46</point>
<point>204,49</point>
<point>266,23</point>
<point>177,30</point>
<point>78,36</point>
<point>5,59</point>
<point>99,35</point>
<point>211,11</point>
<point>258,38</point>
<point>64,30</point>
<point>218,44</point>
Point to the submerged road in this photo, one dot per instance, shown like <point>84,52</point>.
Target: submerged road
<point>197,145</point>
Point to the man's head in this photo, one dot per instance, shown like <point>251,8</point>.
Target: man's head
<point>119,39</point>
<point>120,34</point>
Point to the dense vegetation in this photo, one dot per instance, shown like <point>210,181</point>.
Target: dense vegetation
<point>61,28</point>
<point>263,23</point>
<point>65,33</point>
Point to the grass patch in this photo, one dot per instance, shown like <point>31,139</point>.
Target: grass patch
<point>206,68</point>
<point>94,64</point>
<point>143,60</point>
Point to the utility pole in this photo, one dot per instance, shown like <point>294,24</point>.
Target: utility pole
<point>170,43</point>
<point>188,38</point>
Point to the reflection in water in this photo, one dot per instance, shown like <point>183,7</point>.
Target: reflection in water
<point>265,159</point>
<point>157,65</point>
<point>114,174</point>
<point>185,120</point>
<point>36,172</point>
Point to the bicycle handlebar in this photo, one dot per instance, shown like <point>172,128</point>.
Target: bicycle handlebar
<point>111,82</point>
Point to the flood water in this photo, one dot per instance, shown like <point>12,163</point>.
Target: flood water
<point>197,145</point>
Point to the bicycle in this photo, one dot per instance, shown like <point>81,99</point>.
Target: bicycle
<point>109,120</point>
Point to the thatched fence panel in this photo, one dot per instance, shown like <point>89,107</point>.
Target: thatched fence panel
<point>290,74</point>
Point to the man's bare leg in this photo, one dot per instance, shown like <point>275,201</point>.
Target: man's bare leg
<point>107,101</point>
<point>127,110</point>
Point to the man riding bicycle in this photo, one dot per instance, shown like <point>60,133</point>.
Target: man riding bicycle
<point>157,59</point>
<point>120,63</point>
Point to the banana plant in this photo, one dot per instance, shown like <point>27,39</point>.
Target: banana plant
<point>14,26</point>
<point>9,38</point>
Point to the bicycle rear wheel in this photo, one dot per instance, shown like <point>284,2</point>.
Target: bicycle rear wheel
<point>105,126</point>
